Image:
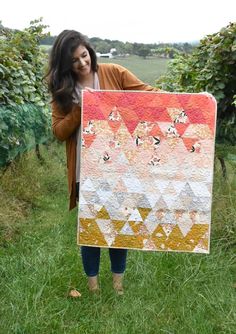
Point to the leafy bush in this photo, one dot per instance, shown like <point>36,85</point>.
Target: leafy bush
<point>22,64</point>
<point>24,112</point>
<point>21,128</point>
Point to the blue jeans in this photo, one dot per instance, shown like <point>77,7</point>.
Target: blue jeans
<point>91,260</point>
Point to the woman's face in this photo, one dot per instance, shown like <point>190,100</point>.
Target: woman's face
<point>81,62</point>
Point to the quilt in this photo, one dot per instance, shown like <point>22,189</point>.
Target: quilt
<point>146,170</point>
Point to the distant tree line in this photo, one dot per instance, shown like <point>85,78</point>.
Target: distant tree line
<point>164,50</point>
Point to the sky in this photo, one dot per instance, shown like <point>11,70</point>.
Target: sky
<point>141,21</point>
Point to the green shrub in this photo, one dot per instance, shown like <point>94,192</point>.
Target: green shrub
<point>24,112</point>
<point>21,128</point>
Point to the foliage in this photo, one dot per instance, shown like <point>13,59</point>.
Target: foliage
<point>21,128</point>
<point>212,68</point>
<point>24,113</point>
<point>143,52</point>
<point>167,52</point>
<point>22,64</point>
<point>179,47</point>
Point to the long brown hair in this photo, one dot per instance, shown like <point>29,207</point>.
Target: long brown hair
<point>60,77</point>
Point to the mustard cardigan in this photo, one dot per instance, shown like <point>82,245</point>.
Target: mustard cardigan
<point>111,77</point>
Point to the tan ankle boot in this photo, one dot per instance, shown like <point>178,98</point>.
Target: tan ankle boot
<point>118,283</point>
<point>93,283</point>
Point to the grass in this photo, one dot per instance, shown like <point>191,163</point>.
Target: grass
<point>148,70</point>
<point>165,292</point>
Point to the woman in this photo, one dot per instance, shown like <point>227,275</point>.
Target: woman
<point>72,67</point>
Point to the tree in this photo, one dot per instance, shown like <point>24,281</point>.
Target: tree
<point>128,48</point>
<point>143,52</point>
<point>103,47</point>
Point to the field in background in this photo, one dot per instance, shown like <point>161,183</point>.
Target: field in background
<point>148,70</point>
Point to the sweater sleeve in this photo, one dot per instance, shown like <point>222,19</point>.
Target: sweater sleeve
<point>64,126</point>
<point>130,82</point>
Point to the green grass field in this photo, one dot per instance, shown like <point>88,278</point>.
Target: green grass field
<point>148,70</point>
<point>164,292</point>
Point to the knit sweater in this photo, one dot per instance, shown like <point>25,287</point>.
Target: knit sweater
<point>111,77</point>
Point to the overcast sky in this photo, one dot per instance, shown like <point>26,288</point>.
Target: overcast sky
<point>142,21</point>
